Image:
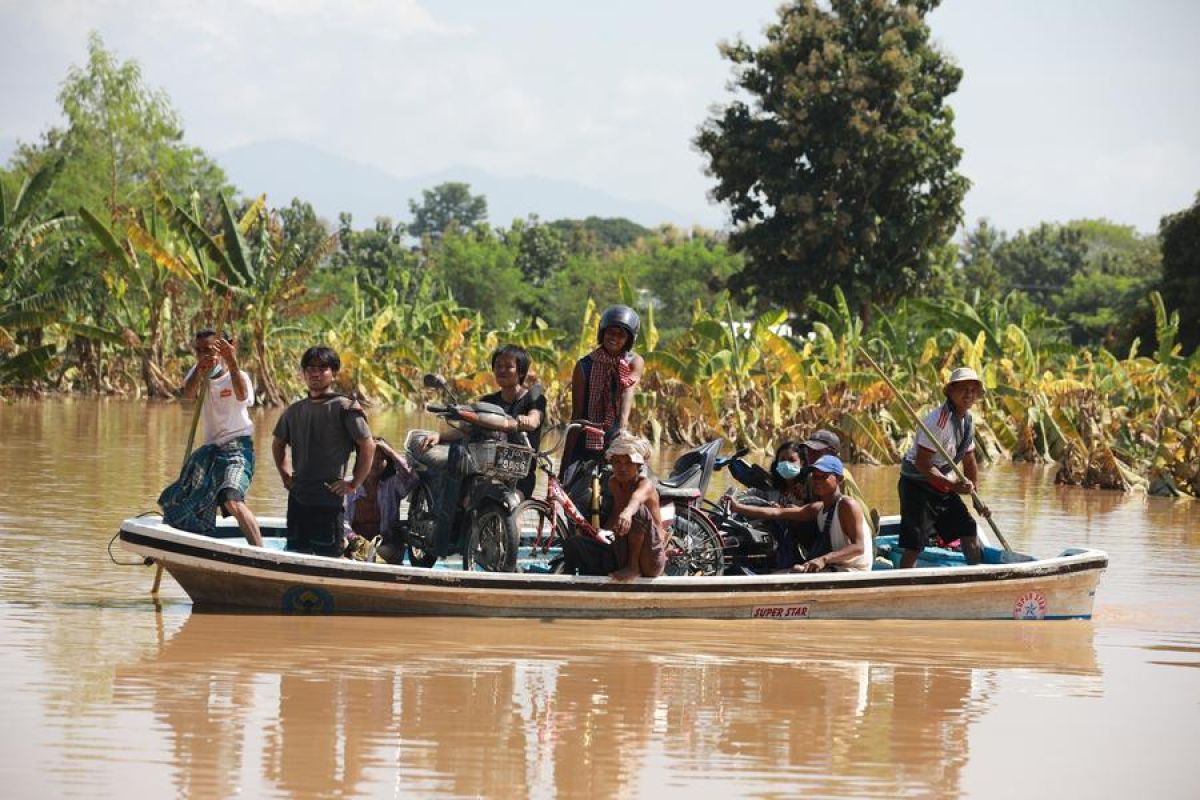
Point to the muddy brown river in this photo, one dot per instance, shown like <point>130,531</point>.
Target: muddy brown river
<point>106,695</point>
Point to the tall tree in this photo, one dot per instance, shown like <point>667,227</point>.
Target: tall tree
<point>122,139</point>
<point>1180,237</point>
<point>838,161</point>
<point>445,205</point>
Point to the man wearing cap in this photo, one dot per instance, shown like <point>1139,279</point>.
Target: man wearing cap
<point>826,443</point>
<point>841,520</point>
<point>930,502</point>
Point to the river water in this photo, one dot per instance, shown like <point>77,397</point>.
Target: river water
<point>106,696</point>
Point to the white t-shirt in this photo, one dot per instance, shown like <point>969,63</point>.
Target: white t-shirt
<point>226,417</point>
<point>948,431</point>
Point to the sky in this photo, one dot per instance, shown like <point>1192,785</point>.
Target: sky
<point>1068,109</point>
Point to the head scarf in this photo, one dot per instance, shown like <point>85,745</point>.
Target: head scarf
<point>627,444</point>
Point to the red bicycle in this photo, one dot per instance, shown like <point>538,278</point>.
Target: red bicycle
<point>693,547</point>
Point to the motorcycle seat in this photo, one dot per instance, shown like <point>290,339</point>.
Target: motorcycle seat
<point>668,492</point>
<point>436,457</point>
<point>688,478</point>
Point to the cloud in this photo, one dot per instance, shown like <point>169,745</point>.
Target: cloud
<point>385,19</point>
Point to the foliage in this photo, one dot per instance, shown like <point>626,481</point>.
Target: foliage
<point>598,235</point>
<point>838,161</point>
<point>1180,237</point>
<point>480,270</point>
<point>1092,274</point>
<point>444,206</point>
<point>109,261</point>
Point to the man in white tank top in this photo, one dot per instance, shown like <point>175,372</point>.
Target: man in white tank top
<point>844,541</point>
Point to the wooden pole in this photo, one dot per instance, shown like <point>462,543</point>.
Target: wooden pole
<point>941,450</point>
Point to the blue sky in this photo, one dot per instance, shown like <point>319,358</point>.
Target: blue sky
<point>1068,109</point>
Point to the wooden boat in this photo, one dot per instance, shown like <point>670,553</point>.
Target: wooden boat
<point>222,571</point>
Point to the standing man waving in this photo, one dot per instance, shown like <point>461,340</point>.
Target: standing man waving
<point>218,474</point>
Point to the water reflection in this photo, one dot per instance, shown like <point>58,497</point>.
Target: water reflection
<point>321,707</point>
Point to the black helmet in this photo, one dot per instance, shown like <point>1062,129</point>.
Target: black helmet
<point>621,317</point>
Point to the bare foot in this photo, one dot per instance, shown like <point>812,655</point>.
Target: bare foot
<point>625,574</point>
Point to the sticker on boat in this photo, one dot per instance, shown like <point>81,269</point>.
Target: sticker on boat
<point>307,600</point>
<point>780,612</point>
<point>1032,605</point>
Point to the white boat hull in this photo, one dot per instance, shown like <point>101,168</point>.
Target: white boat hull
<point>227,573</point>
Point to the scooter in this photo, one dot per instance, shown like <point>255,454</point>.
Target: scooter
<point>479,519</point>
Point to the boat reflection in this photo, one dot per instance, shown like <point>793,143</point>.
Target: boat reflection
<point>511,708</point>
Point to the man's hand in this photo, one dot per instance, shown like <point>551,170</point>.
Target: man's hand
<point>982,509</point>
<point>429,442</point>
<point>624,523</point>
<point>814,565</point>
<point>341,488</point>
<point>227,352</point>
<point>287,478</point>
<point>964,487</point>
<point>205,363</point>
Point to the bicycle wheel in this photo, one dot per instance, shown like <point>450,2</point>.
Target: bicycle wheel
<point>693,545</point>
<point>541,537</point>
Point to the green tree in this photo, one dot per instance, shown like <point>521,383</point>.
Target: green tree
<point>977,257</point>
<point>446,205</point>
<point>478,267</point>
<point>122,139</point>
<point>540,251</point>
<point>838,164</point>
<point>598,234</point>
<point>1179,235</point>
<point>676,268</point>
<point>120,134</point>
<point>1094,275</point>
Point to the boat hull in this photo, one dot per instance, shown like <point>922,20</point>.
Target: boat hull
<point>227,574</point>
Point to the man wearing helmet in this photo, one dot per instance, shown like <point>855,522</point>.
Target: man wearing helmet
<point>604,382</point>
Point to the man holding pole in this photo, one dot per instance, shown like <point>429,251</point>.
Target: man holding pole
<point>930,486</point>
<point>218,474</point>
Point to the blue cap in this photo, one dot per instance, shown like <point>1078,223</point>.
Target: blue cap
<point>830,465</point>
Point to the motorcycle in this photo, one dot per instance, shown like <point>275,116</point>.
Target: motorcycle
<point>695,545</point>
<point>749,545</point>
<point>480,522</point>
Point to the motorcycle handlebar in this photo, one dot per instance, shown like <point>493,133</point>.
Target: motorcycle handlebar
<point>584,424</point>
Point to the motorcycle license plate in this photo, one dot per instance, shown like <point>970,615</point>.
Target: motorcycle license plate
<point>510,460</point>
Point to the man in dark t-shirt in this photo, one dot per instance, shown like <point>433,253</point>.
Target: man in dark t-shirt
<point>525,404</point>
<point>321,431</point>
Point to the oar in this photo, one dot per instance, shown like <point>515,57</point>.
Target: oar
<point>941,450</point>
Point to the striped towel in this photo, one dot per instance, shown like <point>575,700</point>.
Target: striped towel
<point>190,503</point>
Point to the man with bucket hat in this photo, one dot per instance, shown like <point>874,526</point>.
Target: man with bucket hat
<point>931,505</point>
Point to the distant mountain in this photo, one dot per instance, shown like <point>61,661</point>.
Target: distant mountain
<point>286,169</point>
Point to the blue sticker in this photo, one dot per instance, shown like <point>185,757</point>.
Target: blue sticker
<point>307,600</point>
